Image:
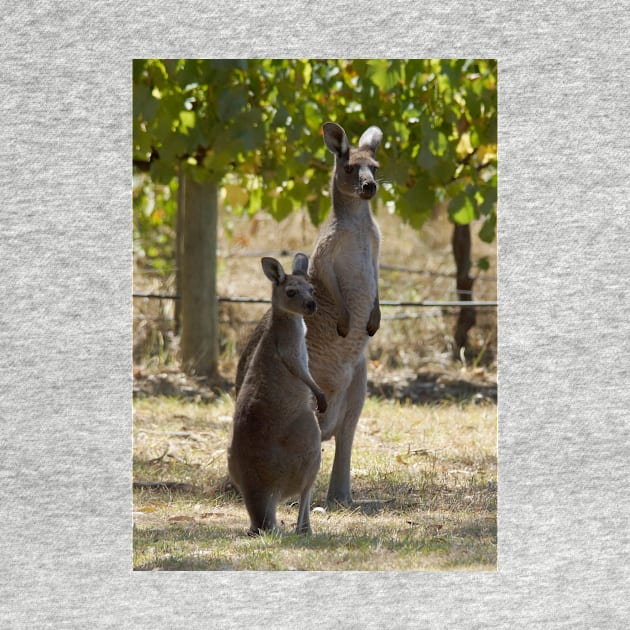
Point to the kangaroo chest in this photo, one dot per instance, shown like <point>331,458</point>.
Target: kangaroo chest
<point>356,255</point>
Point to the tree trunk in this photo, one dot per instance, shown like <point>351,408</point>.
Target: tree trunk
<point>461,252</point>
<point>179,247</point>
<point>199,340</point>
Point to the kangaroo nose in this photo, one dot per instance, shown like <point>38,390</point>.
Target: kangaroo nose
<point>311,307</point>
<point>368,188</point>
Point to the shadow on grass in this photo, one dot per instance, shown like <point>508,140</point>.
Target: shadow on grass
<point>403,497</point>
<point>438,542</point>
<point>430,388</point>
<point>392,497</point>
<point>217,548</point>
<point>442,525</point>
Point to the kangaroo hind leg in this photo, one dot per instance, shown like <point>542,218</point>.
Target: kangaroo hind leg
<point>339,490</point>
<point>261,508</point>
<point>304,520</point>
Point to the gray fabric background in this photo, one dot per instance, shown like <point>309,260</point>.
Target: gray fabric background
<point>65,173</point>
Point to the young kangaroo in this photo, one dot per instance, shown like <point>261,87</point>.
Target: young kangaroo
<point>344,274</point>
<point>276,441</point>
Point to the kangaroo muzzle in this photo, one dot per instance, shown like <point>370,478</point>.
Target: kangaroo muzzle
<point>310,307</point>
<point>368,189</point>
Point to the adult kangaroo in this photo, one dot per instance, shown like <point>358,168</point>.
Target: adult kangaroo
<point>275,450</point>
<point>344,273</point>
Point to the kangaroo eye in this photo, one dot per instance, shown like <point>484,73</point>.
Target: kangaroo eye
<point>291,292</point>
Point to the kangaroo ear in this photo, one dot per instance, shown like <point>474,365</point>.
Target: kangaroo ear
<point>371,138</point>
<point>336,139</point>
<point>273,270</point>
<point>300,264</point>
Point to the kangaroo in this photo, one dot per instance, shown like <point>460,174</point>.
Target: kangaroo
<point>344,273</point>
<point>275,450</point>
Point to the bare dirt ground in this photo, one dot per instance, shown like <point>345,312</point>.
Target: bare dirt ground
<point>401,385</point>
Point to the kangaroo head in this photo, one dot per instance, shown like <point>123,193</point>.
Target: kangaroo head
<point>292,292</point>
<point>355,167</point>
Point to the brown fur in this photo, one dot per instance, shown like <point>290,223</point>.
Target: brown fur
<point>344,273</point>
<point>275,451</point>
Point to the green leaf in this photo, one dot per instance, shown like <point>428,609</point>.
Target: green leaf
<point>426,160</point>
<point>157,73</point>
<point>307,73</point>
<point>281,207</point>
<point>187,119</point>
<point>255,199</point>
<point>488,203</point>
<point>318,209</point>
<point>141,142</point>
<point>202,175</point>
<point>382,74</point>
<point>162,171</point>
<point>473,102</point>
<point>312,116</point>
<point>483,264</point>
<point>461,209</point>
<point>487,233</point>
<point>188,72</point>
<point>145,105</point>
<point>418,202</point>
<point>174,147</point>
<point>137,69</point>
<point>418,215</point>
<point>453,70</point>
<point>281,116</point>
<point>230,102</point>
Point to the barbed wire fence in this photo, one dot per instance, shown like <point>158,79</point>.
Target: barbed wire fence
<point>393,310</point>
<point>436,304</point>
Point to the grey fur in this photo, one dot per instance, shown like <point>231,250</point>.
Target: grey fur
<point>344,273</point>
<point>275,451</point>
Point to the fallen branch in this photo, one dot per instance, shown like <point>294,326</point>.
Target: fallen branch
<point>157,460</point>
<point>180,434</point>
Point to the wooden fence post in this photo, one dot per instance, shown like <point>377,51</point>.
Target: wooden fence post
<point>199,339</point>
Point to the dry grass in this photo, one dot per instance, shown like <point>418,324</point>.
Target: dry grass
<point>424,480</point>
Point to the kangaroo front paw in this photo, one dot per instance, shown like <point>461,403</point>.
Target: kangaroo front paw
<point>322,405</point>
<point>374,323</point>
<point>343,325</point>
<point>373,326</point>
